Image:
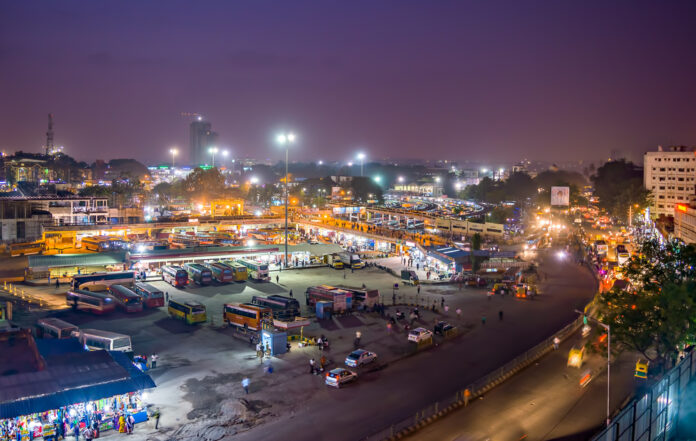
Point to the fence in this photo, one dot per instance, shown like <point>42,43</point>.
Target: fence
<point>477,388</point>
<point>654,415</point>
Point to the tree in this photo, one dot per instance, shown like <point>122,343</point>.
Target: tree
<point>619,185</point>
<point>208,183</point>
<point>655,315</point>
<point>363,187</point>
<point>475,246</point>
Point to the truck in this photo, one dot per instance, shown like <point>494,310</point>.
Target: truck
<point>334,261</point>
<point>601,247</point>
<point>351,260</point>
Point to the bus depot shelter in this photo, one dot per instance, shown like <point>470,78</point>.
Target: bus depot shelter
<point>64,266</point>
<point>49,385</point>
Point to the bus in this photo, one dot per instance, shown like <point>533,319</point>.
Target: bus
<point>96,243</point>
<point>239,271</point>
<point>283,307</point>
<point>198,273</point>
<point>256,270</point>
<point>175,276</point>
<point>26,248</point>
<point>94,302</point>
<point>367,297</point>
<point>96,340</point>
<point>342,299</point>
<point>52,327</point>
<point>119,277</point>
<point>151,297</point>
<point>244,315</point>
<point>126,299</point>
<point>221,273</point>
<point>191,312</point>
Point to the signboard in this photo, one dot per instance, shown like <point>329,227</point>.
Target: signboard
<point>560,196</point>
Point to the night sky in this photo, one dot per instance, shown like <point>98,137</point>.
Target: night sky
<point>485,80</point>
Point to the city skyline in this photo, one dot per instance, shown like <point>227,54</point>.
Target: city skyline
<point>454,80</point>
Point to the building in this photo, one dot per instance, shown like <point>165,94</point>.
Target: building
<point>670,174</point>
<point>685,222</point>
<point>21,220</point>
<point>429,189</point>
<point>202,138</point>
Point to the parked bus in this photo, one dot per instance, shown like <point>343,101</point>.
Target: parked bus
<point>96,243</point>
<point>175,276</point>
<point>190,311</point>
<point>283,307</point>
<point>151,297</point>
<point>221,273</point>
<point>367,297</point>
<point>241,314</point>
<point>26,248</point>
<point>341,298</point>
<point>52,327</point>
<point>95,302</point>
<point>120,277</point>
<point>198,273</point>
<point>239,271</point>
<point>126,299</point>
<point>96,340</point>
<point>256,270</point>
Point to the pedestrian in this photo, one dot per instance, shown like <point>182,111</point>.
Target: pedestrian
<point>277,279</point>
<point>459,313</point>
<point>556,342</point>
<point>166,296</point>
<point>418,289</point>
<point>446,307</point>
<point>322,363</point>
<point>320,343</point>
<point>394,299</point>
<point>483,319</point>
<point>500,314</point>
<point>442,302</point>
<point>291,293</point>
<point>131,423</point>
<point>153,363</point>
<point>245,385</point>
<point>311,365</point>
<point>76,432</point>
<point>57,283</point>
<point>157,417</point>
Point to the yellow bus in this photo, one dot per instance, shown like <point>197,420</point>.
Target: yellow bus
<point>26,248</point>
<point>239,271</point>
<point>190,312</point>
<point>244,315</point>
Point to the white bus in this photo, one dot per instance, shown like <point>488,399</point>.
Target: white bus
<point>256,270</point>
<point>52,327</point>
<point>95,340</point>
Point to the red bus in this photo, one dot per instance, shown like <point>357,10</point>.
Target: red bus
<point>94,302</point>
<point>126,299</point>
<point>151,296</point>
<point>175,276</point>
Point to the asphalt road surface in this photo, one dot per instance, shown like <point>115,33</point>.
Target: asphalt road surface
<point>381,398</point>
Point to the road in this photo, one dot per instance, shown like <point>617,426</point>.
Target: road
<point>395,393</point>
<point>543,402</point>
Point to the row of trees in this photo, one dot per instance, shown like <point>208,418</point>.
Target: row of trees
<point>656,314</point>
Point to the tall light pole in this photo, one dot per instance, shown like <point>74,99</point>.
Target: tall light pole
<point>173,151</point>
<point>608,328</point>
<point>284,140</point>
<point>361,157</point>
<point>225,154</point>
<point>213,151</point>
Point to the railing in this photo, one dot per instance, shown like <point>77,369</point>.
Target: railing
<point>462,396</point>
<point>653,416</point>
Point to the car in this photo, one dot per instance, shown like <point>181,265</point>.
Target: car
<point>360,357</point>
<point>419,335</point>
<point>339,376</point>
<point>442,327</point>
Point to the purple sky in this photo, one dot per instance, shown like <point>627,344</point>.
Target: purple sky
<point>484,80</point>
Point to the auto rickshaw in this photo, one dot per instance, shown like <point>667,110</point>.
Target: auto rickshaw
<point>575,356</point>
<point>642,369</point>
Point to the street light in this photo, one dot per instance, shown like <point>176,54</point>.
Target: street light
<point>378,179</point>
<point>361,157</point>
<point>213,151</point>
<point>284,140</point>
<point>225,154</point>
<point>173,151</point>
<point>400,179</point>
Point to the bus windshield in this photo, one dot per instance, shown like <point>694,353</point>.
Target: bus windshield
<point>121,342</point>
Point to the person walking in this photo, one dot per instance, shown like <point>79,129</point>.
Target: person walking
<point>166,296</point>
<point>157,415</point>
<point>556,342</point>
<point>500,314</point>
<point>130,424</point>
<point>153,361</point>
<point>311,365</point>
<point>291,293</point>
<point>483,320</point>
<point>245,385</point>
<point>277,279</point>
<point>418,288</point>
<point>57,283</point>
<point>442,302</point>
<point>459,313</point>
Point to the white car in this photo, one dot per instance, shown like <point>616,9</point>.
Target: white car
<point>337,377</point>
<point>420,334</point>
<point>360,357</point>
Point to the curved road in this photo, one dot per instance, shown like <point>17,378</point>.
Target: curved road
<point>381,398</point>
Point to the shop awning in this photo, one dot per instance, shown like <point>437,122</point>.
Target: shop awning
<point>68,260</point>
<point>70,378</point>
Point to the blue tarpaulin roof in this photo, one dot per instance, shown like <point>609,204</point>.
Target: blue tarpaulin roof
<point>451,254</point>
<point>69,378</point>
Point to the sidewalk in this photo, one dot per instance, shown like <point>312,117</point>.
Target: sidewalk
<point>395,264</point>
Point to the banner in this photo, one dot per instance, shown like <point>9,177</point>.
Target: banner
<point>560,196</point>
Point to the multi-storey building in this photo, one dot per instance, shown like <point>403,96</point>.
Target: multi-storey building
<point>685,222</point>
<point>670,174</point>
